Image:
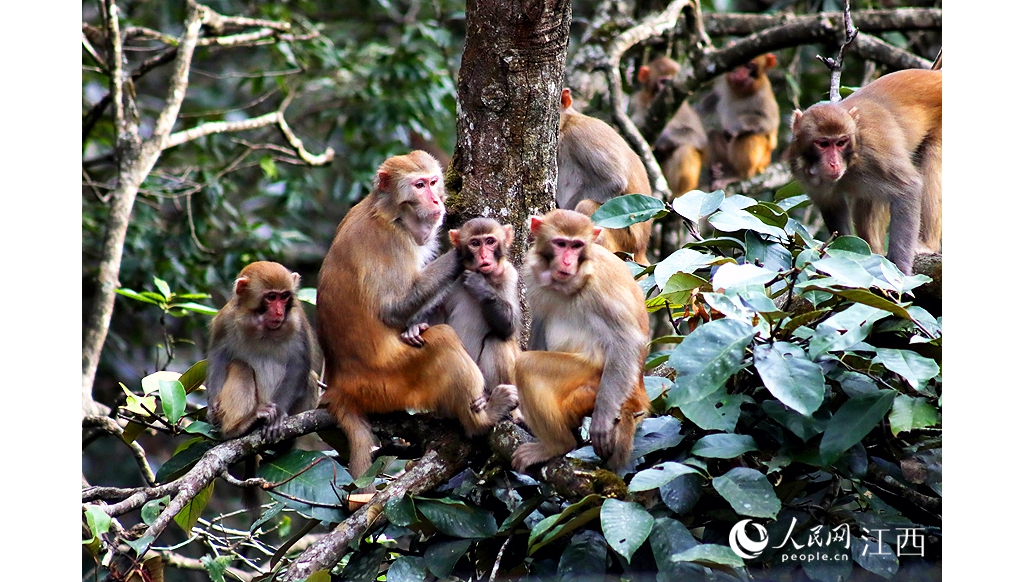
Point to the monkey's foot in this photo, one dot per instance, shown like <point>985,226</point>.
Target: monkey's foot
<point>478,405</point>
<point>530,454</point>
<point>503,399</point>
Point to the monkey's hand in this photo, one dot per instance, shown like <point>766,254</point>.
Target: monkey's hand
<point>412,335</point>
<point>477,285</point>
<point>272,418</point>
<point>602,433</point>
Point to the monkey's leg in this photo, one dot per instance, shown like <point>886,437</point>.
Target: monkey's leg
<point>870,219</point>
<point>682,170</point>
<point>749,154</point>
<point>556,391</point>
<point>930,237</point>
<point>634,409</point>
<point>237,402</point>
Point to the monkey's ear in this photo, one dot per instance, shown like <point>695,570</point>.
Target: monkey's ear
<point>453,236</point>
<point>566,99</point>
<point>797,114</point>
<point>855,113</point>
<point>383,181</point>
<point>241,285</point>
<point>770,60</point>
<point>510,234</point>
<point>597,232</point>
<point>643,74</point>
<point>295,280</point>
<point>535,223</point>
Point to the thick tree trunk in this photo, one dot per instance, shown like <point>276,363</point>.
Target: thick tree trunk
<point>509,84</point>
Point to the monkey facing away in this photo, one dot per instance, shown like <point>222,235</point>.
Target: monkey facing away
<point>483,306</point>
<point>595,164</point>
<point>259,367</point>
<point>587,345</point>
<point>877,155</point>
<point>374,279</point>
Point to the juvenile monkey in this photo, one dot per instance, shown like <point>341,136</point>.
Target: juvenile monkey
<point>746,120</point>
<point>878,151</point>
<point>374,279</point>
<point>259,367</point>
<point>596,164</point>
<point>653,77</point>
<point>587,345</point>
<point>483,306</point>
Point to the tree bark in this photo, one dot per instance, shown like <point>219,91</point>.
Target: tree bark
<point>504,164</point>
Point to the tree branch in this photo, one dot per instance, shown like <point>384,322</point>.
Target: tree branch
<point>110,426</point>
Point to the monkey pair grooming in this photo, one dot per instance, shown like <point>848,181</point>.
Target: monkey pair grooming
<point>595,164</point>
<point>588,344</point>
<point>261,354</point>
<point>877,155</point>
<point>367,299</point>
<point>681,147</point>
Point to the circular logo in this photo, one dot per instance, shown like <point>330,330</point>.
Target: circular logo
<point>745,547</point>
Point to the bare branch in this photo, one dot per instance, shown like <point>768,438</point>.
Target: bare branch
<point>110,426</point>
<point>835,66</point>
<point>213,127</point>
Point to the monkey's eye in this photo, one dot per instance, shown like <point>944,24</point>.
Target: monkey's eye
<point>286,295</point>
<point>822,143</point>
<point>842,142</point>
<point>272,296</point>
<point>433,181</point>
<point>491,241</point>
<point>474,244</point>
<point>419,183</point>
<point>576,245</point>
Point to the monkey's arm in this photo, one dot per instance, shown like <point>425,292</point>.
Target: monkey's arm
<point>622,348</point>
<point>429,314</point>
<point>430,282</point>
<point>537,340</point>
<point>498,313</point>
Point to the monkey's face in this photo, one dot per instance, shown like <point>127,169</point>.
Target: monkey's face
<point>567,254</point>
<point>273,310</point>
<point>483,255</point>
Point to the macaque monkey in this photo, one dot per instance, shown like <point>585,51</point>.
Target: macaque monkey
<point>587,345</point>
<point>596,164</point>
<point>653,77</point>
<point>746,126</point>
<point>374,279</point>
<point>483,306</point>
<point>259,367</point>
<point>878,151</point>
<point>682,145</point>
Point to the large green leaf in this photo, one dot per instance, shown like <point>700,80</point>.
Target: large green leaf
<point>309,482</point>
<point>189,515</point>
<point>572,518</point>
<point>696,204</point>
<point>682,493</point>
<point>909,413</point>
<point>802,426</point>
<point>875,557</point>
<point>790,376</point>
<point>365,564</point>
<point>748,492</point>
<point>626,525</point>
<point>458,519</point>
<point>172,400</point>
<point>440,557</point>
<point>98,521</point>
<point>707,358</point>
<point>628,209</point>
<point>718,411</point>
<point>680,261</point>
<point>733,220</point>
<point>731,275</point>
<point>658,475</point>
<point>723,446</point>
<point>668,538</point>
<point>711,555</point>
<point>915,368</point>
<point>585,557</point>
<point>853,421</point>
<point>183,459</point>
<point>194,377</point>
<point>407,569</point>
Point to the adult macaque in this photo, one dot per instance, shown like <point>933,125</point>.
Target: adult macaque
<point>259,367</point>
<point>653,77</point>
<point>878,151</point>
<point>482,307</point>
<point>374,279</point>
<point>587,346</point>
<point>596,164</point>
<point>746,120</point>
<point>681,149</point>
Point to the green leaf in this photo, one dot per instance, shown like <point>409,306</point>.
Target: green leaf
<point>707,358</point>
<point>731,275</point>
<point>696,204</point>
<point>136,296</point>
<point>364,565</point>
<point>794,188</point>
<point>140,545</point>
<point>769,213</point>
<point>194,307</point>
<point>735,220</point>
<point>718,411</point>
<point>584,558</point>
<point>98,521</point>
<point>194,377</point>
<point>163,288</point>
<point>849,247</point>
<point>853,421</point>
<point>189,515</point>
<point>881,561</point>
<point>172,399</point>
<point>711,555</point>
<point>682,494</point>
<point>183,460</point>
<point>407,569</point>
<point>748,492</point>
<point>681,261</point>
<point>909,412</point>
<point>151,510</point>
<point>668,538</point>
<point>269,167</point>
<point>723,446</point>
<point>677,289</point>
<point>401,511</point>
<point>204,428</point>
<point>578,520</point>
<point>309,482</point>
<point>457,519</point>
<point>440,557</point>
<point>216,567</point>
<point>790,376</point>
<point>915,368</point>
<point>628,209</point>
<point>658,475</point>
<point>520,514</point>
<point>626,526</point>
<point>307,294</point>
<point>802,426</point>
<point>844,271</point>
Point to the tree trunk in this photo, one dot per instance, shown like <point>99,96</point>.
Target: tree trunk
<point>509,85</point>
